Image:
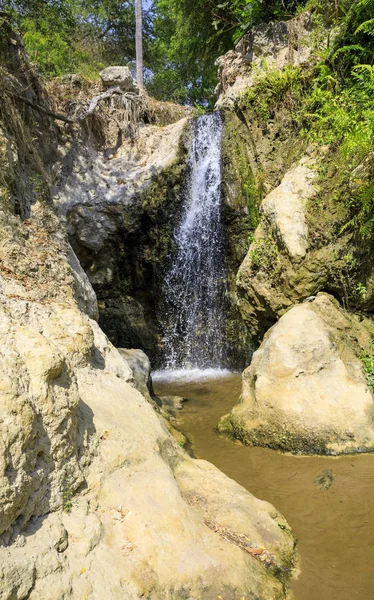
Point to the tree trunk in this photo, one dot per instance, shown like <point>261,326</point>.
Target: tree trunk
<point>139,43</point>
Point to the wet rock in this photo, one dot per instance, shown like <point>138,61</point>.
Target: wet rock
<point>172,404</point>
<point>324,480</point>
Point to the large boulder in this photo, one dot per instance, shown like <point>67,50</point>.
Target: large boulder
<point>305,391</point>
<point>119,77</point>
<point>152,522</point>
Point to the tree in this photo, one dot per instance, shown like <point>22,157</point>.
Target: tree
<point>139,42</point>
<point>188,36</point>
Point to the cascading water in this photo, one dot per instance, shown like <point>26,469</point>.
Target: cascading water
<point>194,303</point>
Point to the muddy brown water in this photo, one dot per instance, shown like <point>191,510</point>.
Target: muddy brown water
<point>335,527</point>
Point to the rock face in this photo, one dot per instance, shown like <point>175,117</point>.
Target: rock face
<point>119,211</point>
<point>284,209</point>
<point>272,277</point>
<point>140,366</point>
<point>119,77</point>
<point>148,522</point>
<point>305,390</point>
<point>266,47</point>
<point>96,498</point>
<point>44,337</point>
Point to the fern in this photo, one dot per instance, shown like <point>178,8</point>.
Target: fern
<point>363,221</point>
<point>346,49</point>
<point>367,228</point>
<point>366,27</point>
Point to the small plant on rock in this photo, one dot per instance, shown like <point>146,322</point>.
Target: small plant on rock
<point>67,497</point>
<point>367,359</point>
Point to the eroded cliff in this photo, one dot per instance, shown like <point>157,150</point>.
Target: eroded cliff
<point>301,391</point>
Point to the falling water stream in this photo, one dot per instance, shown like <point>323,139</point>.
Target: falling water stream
<point>334,526</point>
<point>193,308</point>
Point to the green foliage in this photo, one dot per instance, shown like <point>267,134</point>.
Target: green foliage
<point>263,253</point>
<point>56,55</point>
<point>362,207</point>
<point>367,359</point>
<point>191,34</point>
<point>238,16</point>
<point>338,110</point>
<point>184,50</point>
<point>344,272</point>
<point>272,90</point>
<point>80,36</point>
<point>67,499</point>
<point>361,290</point>
<point>354,44</point>
<point>181,38</point>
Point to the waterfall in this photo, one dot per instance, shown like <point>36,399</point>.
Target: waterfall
<point>195,293</point>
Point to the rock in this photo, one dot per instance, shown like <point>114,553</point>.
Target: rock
<point>284,265</point>
<point>142,488</point>
<point>274,45</point>
<point>324,480</point>
<point>120,215</point>
<point>172,404</point>
<point>123,319</point>
<point>119,77</point>
<point>85,294</point>
<point>179,437</point>
<point>72,79</point>
<point>60,537</point>
<point>310,299</point>
<point>166,406</point>
<point>305,391</point>
<point>41,343</point>
<point>140,366</point>
<point>284,209</point>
